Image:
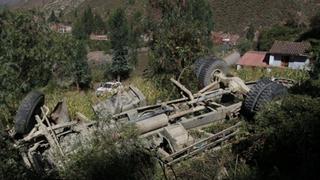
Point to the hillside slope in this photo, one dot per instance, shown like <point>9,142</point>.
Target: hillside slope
<point>235,15</point>
<point>48,5</point>
<point>229,15</point>
<point>8,2</point>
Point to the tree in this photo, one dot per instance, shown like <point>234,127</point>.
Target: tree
<point>78,30</point>
<point>313,36</point>
<point>70,67</point>
<point>87,24</point>
<point>316,56</point>
<point>277,32</point>
<point>99,25</point>
<point>135,32</point>
<point>313,32</point>
<point>88,21</point>
<point>24,56</point>
<point>180,31</point>
<point>250,33</point>
<point>81,70</point>
<point>29,52</point>
<point>53,18</point>
<point>118,29</point>
<point>244,46</point>
<point>84,25</point>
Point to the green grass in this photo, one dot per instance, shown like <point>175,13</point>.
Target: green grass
<point>250,74</point>
<point>77,101</point>
<point>149,89</point>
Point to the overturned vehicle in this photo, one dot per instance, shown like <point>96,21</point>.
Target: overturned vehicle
<point>166,128</point>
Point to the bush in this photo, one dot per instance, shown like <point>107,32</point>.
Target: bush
<point>277,32</point>
<point>11,163</point>
<point>70,65</point>
<point>284,142</point>
<point>29,53</point>
<point>109,154</point>
<point>309,87</point>
<point>180,33</point>
<point>244,46</point>
<point>99,45</point>
<point>221,164</point>
<point>25,46</point>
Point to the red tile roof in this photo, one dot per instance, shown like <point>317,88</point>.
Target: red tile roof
<point>290,48</point>
<point>253,58</point>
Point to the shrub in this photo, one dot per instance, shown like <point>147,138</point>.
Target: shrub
<point>11,163</point>
<point>99,45</point>
<point>221,164</point>
<point>119,37</point>
<point>277,32</point>
<point>244,46</point>
<point>29,53</point>
<point>109,154</point>
<point>25,45</point>
<point>180,33</point>
<point>284,139</point>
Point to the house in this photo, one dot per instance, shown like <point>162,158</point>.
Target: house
<point>283,54</point>
<point>225,38</point>
<point>293,55</point>
<point>96,37</point>
<point>253,59</point>
<point>61,28</point>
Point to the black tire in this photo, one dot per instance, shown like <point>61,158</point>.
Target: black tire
<point>209,68</point>
<point>28,109</point>
<point>261,93</point>
<point>249,101</point>
<point>198,65</point>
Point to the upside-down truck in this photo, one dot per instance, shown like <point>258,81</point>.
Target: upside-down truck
<point>167,127</point>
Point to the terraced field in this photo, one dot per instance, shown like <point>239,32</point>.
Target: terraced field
<point>229,15</point>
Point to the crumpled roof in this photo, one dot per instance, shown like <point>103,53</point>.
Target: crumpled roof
<point>290,48</point>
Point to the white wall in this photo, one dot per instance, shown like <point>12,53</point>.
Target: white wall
<point>299,62</point>
<point>275,60</point>
<point>296,62</point>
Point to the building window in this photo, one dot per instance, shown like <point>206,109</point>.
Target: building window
<point>285,61</point>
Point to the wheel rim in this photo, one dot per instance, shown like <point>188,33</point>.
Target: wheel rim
<point>214,75</point>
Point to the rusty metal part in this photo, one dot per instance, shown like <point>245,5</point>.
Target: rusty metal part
<point>202,145</point>
<point>235,84</point>
<point>122,101</point>
<point>149,124</point>
<point>183,88</point>
<point>60,113</point>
